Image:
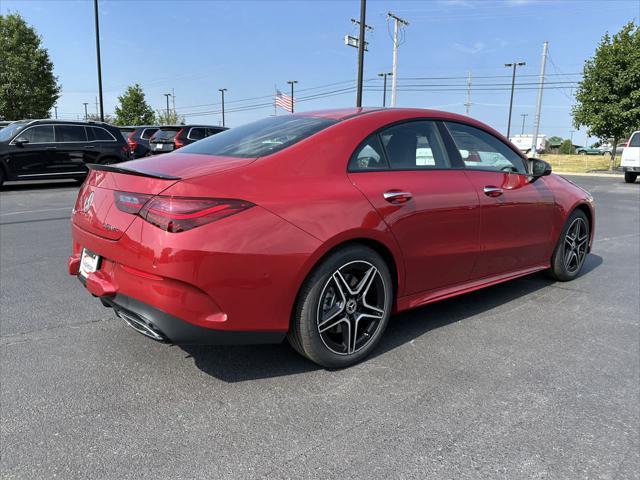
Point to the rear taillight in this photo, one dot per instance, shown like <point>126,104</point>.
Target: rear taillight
<point>132,143</point>
<point>130,202</point>
<point>178,214</point>
<point>177,143</point>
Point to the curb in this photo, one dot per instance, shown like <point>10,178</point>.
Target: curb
<point>615,175</point>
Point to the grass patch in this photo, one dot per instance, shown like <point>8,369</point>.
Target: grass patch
<point>578,163</point>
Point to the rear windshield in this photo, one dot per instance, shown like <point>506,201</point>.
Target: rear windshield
<point>635,140</point>
<point>260,138</point>
<point>166,134</point>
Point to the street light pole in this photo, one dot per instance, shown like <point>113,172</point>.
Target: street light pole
<point>384,88</point>
<point>167,95</point>
<point>86,116</point>
<point>292,83</point>
<point>524,116</point>
<point>514,65</point>
<point>222,90</point>
<point>55,109</point>
<point>95,11</point>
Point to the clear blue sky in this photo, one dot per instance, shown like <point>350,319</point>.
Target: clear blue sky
<point>196,47</point>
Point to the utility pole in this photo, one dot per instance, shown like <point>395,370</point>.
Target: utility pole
<point>524,116</point>
<point>173,103</point>
<point>222,90</point>
<point>536,122</point>
<point>55,109</point>
<point>361,40</point>
<point>397,22</point>
<point>384,87</point>
<point>468,104</point>
<point>514,65</point>
<point>86,116</point>
<point>167,95</point>
<point>95,11</point>
<point>292,83</point>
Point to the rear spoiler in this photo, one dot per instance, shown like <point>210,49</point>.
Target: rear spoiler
<point>128,171</point>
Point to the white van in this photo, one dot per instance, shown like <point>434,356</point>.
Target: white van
<point>631,158</point>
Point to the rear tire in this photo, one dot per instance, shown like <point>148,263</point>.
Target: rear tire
<point>630,177</point>
<point>343,308</point>
<point>572,248</point>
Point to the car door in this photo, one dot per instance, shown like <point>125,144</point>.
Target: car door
<point>31,151</point>
<point>71,142</point>
<point>517,214</point>
<point>430,206</point>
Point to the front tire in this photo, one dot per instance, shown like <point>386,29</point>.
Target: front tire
<point>630,177</point>
<point>343,308</point>
<point>571,251</point>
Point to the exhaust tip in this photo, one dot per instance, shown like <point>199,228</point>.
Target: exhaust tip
<point>141,326</point>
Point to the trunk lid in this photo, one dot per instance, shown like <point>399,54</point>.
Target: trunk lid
<point>95,210</point>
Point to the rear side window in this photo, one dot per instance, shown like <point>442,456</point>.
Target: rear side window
<point>197,133</point>
<point>102,135</point>
<point>635,140</point>
<point>39,134</point>
<point>481,150</point>
<point>70,133</point>
<point>257,139</point>
<point>369,156</point>
<point>414,146</point>
<point>147,133</point>
<point>213,131</point>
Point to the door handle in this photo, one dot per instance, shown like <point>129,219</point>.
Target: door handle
<point>51,148</point>
<point>89,146</point>
<point>397,196</point>
<point>490,191</point>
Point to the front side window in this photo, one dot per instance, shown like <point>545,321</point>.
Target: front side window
<point>261,138</point>
<point>481,150</point>
<point>70,133</point>
<point>39,134</point>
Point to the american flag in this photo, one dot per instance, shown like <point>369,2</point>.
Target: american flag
<point>285,101</point>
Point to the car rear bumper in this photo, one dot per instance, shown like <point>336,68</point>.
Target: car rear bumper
<point>161,326</point>
<point>631,169</point>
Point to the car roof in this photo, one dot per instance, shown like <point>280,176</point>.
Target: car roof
<point>345,113</point>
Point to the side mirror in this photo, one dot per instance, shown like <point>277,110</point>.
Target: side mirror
<point>539,168</point>
<point>20,141</point>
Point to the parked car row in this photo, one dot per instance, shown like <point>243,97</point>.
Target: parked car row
<point>59,149</point>
<point>150,140</point>
<point>48,149</point>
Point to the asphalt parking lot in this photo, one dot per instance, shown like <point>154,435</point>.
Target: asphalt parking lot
<point>528,379</point>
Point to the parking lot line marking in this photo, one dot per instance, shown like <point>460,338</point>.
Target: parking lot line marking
<point>35,211</point>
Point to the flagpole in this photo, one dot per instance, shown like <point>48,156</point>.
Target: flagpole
<point>275,106</point>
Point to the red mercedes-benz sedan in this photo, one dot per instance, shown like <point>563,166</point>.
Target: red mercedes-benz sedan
<point>317,226</point>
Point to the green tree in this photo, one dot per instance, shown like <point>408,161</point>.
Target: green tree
<point>28,87</point>
<point>169,118</point>
<point>608,97</point>
<point>133,108</point>
<point>566,148</point>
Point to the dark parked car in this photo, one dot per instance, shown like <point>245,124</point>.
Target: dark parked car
<point>172,137</point>
<point>47,149</point>
<point>138,138</point>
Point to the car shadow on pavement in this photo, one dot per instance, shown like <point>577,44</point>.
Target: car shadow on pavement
<point>252,362</point>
